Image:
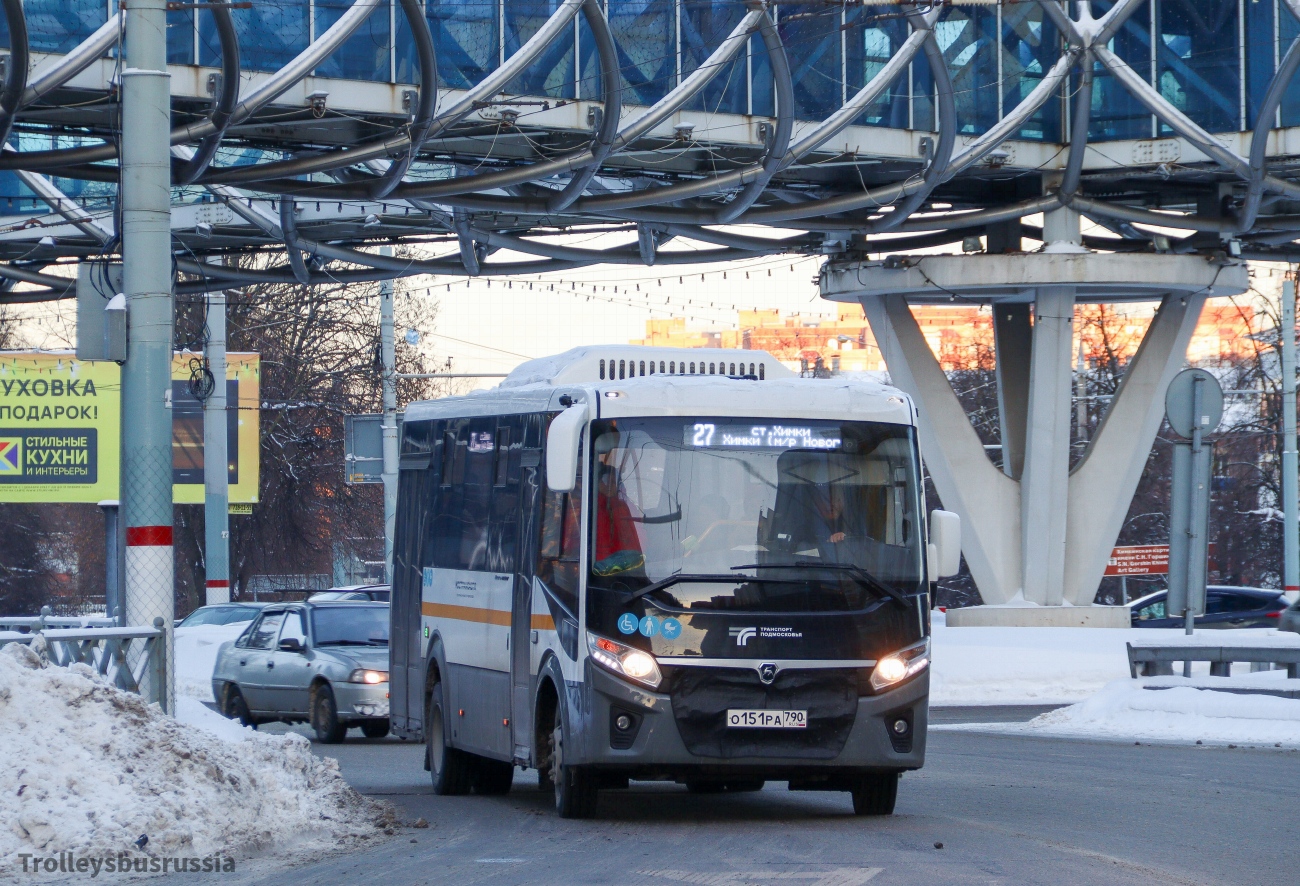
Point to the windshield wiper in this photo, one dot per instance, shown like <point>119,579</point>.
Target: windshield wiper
<point>864,578</point>
<point>353,643</point>
<point>679,577</point>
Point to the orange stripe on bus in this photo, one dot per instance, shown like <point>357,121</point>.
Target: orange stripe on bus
<point>482,616</point>
<point>466,613</point>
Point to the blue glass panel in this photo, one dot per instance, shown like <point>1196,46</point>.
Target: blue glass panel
<point>407,65</point>
<point>923,114</point>
<point>1030,46</point>
<point>762,98</point>
<point>180,37</point>
<point>875,34</point>
<point>588,62</point>
<point>1259,56</point>
<point>968,37</point>
<point>1288,31</point>
<point>1196,61</point>
<point>466,37</point>
<point>812,39</point>
<point>1116,114</point>
<point>270,35</point>
<point>552,73</point>
<point>646,34</point>
<point>364,55</point>
<point>59,25</point>
<point>705,24</point>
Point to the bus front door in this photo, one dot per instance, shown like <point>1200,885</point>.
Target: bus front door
<point>521,643</point>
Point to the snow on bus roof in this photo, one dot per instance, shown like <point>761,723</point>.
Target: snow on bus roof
<point>598,363</point>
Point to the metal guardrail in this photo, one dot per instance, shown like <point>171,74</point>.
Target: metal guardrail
<point>1156,659</point>
<point>130,658</point>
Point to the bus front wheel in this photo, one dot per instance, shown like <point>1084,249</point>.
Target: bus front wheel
<point>450,769</point>
<point>575,788</point>
<point>875,794</point>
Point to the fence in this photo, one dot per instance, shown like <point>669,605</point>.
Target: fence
<point>133,659</point>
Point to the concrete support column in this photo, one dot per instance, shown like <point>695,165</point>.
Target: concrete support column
<point>1103,482</point>
<point>146,375</point>
<point>1045,481</point>
<point>987,500</point>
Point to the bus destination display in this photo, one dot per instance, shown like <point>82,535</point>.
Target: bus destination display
<point>709,435</point>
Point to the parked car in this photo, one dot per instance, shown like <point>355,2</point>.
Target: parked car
<point>378,593</point>
<point>321,663</point>
<point>1225,607</point>
<point>1289,620</point>
<point>221,614</point>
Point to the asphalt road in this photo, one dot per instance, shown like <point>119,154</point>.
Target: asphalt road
<point>1006,810</point>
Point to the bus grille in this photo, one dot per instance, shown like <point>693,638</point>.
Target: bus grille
<point>701,697</point>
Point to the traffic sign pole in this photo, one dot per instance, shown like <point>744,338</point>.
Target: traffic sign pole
<point>389,383</point>
<point>1290,498</point>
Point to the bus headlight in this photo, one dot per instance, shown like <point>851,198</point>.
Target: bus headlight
<point>898,666</point>
<point>625,661</point>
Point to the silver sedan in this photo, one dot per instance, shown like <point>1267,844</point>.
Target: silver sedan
<point>320,663</point>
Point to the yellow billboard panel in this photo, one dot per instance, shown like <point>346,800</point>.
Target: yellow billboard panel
<point>60,428</point>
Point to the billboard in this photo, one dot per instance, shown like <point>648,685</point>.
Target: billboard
<point>60,428</point>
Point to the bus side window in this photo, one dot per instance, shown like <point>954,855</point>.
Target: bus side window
<point>559,550</point>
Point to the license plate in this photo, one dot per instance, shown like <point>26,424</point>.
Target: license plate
<point>767,719</point>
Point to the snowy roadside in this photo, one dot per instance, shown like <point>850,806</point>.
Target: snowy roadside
<point>1169,710</point>
<point>1087,669</point>
<point>89,769</point>
<point>196,655</point>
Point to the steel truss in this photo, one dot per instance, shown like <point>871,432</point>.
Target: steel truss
<point>427,177</point>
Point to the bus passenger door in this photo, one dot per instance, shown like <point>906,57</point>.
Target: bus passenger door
<point>406,670</point>
<point>530,499</point>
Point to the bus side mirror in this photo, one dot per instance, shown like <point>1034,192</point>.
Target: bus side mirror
<point>562,442</point>
<point>945,544</point>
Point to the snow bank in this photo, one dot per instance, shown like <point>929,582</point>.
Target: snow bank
<point>1177,711</point>
<point>196,654</point>
<point>974,666</point>
<point>87,768</point>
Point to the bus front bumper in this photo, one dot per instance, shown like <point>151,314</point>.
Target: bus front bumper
<point>654,747</point>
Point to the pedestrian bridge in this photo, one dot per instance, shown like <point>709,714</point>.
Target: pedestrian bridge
<point>474,123</point>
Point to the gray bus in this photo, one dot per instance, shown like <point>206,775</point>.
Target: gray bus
<point>631,563</point>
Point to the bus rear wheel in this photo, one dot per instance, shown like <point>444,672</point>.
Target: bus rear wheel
<point>450,769</point>
<point>875,794</point>
<point>576,789</point>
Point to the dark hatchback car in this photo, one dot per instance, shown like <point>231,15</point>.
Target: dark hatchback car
<point>374,593</point>
<point>1225,607</point>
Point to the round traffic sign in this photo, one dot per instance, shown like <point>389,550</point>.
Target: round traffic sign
<point>1180,398</point>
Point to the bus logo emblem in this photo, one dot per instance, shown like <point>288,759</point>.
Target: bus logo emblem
<point>742,635</point>
<point>767,673</point>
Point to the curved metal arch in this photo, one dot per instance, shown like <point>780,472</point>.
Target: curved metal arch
<point>491,85</point>
<point>15,82</point>
<point>611,94</point>
<point>268,91</point>
<point>638,127</point>
<point>224,108</point>
<point>419,128</point>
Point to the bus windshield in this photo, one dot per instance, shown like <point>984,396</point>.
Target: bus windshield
<point>754,514</point>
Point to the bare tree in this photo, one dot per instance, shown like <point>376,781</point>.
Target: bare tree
<point>319,350</point>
